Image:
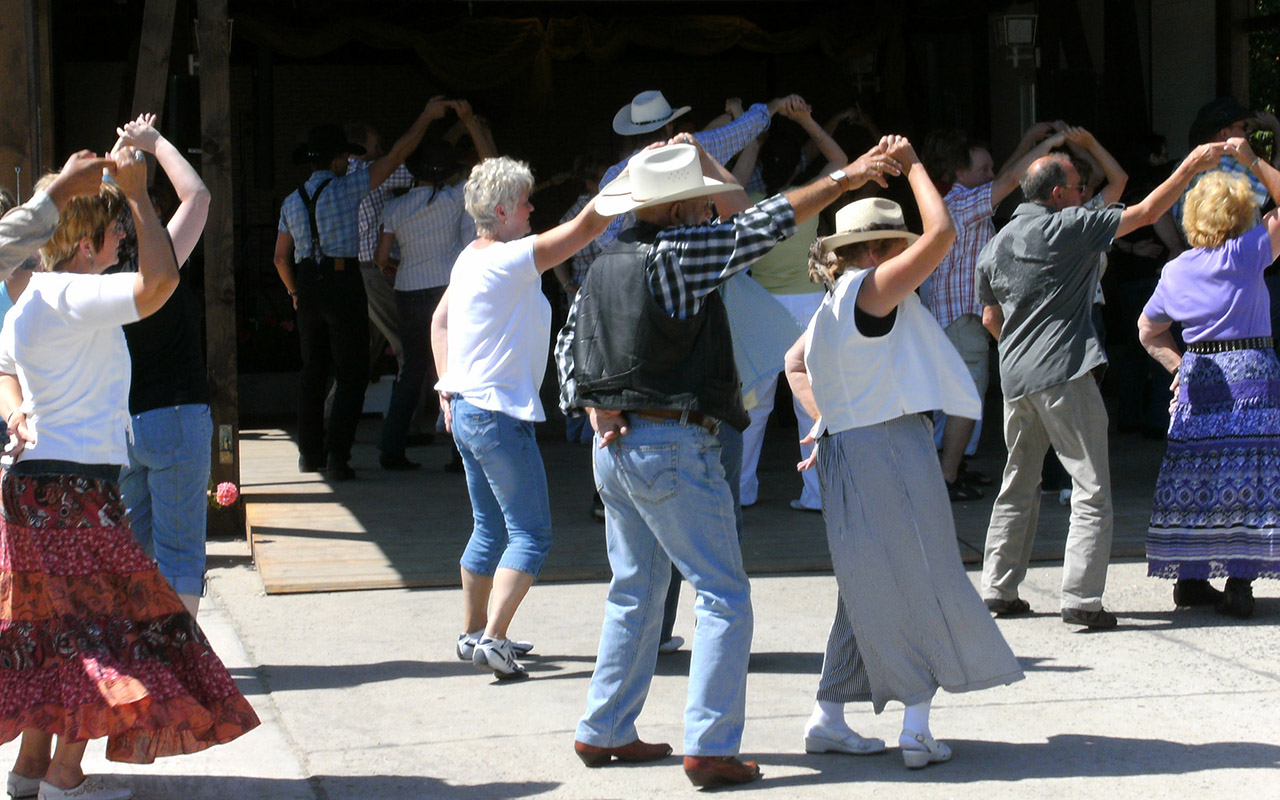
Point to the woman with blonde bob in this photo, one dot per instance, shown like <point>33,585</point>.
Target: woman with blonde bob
<point>93,641</point>
<point>1216,511</point>
<point>870,368</point>
<point>490,336</point>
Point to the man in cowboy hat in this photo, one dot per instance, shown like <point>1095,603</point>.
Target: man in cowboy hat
<point>647,353</point>
<point>1036,280</point>
<point>649,118</point>
<point>316,256</point>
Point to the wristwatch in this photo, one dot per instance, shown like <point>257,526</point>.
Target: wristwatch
<point>839,177</point>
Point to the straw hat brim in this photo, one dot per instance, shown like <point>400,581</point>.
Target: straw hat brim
<point>615,198</point>
<point>622,123</point>
<point>841,239</point>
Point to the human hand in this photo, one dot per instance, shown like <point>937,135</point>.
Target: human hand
<point>1239,147</point>
<point>812,459</point>
<point>795,108</point>
<point>446,410</point>
<point>140,133</point>
<point>1206,156</point>
<point>871,166</point>
<point>463,109</point>
<point>776,104</point>
<point>1080,137</point>
<point>19,434</point>
<point>131,173</point>
<point>1173,387</point>
<point>733,107</point>
<point>899,149</point>
<point>436,107</point>
<point>607,424</point>
<point>81,175</point>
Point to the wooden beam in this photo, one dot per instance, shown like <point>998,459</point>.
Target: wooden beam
<point>151,78</point>
<point>26,125</point>
<point>219,269</point>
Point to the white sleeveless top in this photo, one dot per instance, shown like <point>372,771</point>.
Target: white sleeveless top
<point>859,380</point>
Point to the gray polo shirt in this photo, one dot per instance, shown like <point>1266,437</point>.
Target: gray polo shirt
<point>1041,269</point>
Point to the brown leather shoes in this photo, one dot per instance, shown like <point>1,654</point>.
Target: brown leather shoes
<point>636,751</point>
<point>708,771</point>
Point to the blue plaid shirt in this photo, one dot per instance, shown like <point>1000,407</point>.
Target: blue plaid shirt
<point>721,143</point>
<point>337,220</point>
<point>1230,165</point>
<point>688,263</point>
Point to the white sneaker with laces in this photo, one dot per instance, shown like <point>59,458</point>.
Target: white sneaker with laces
<point>671,645</point>
<point>498,656</point>
<point>467,647</point>
<point>89,789</point>
<point>20,786</point>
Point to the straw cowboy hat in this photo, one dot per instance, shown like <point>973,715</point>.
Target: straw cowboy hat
<point>657,176</point>
<point>867,219</point>
<point>647,112</point>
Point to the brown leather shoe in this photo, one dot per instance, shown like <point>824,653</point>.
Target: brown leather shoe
<point>708,771</point>
<point>636,751</point>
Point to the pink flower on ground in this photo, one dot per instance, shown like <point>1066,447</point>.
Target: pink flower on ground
<point>227,493</point>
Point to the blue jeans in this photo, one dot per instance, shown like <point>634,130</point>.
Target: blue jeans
<point>667,501</point>
<point>165,490</point>
<point>508,487</point>
<point>415,309</point>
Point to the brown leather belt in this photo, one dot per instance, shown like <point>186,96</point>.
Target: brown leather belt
<point>339,264</point>
<point>711,424</point>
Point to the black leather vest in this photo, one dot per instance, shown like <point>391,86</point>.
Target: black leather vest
<point>629,354</point>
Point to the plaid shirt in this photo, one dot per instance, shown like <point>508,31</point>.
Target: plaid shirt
<point>431,226</point>
<point>1231,165</point>
<point>370,213</point>
<point>580,261</point>
<point>336,222</point>
<point>721,143</point>
<point>688,263</point>
<point>951,293</point>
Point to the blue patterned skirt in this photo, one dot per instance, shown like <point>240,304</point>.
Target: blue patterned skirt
<point>1217,501</point>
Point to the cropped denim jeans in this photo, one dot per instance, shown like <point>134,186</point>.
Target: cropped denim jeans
<point>666,500</point>
<point>508,486</point>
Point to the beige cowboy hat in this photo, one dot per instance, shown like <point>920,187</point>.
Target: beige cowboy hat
<point>647,112</point>
<point>657,176</point>
<point>867,219</point>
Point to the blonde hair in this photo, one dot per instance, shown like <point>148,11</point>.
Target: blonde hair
<point>495,182</point>
<point>825,266</point>
<point>85,217</point>
<point>1219,207</point>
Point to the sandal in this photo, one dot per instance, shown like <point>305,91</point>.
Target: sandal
<point>959,491</point>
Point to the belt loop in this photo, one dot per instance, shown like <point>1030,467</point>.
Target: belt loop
<point>684,417</point>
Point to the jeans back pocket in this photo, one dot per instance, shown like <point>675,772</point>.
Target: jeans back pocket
<point>651,473</point>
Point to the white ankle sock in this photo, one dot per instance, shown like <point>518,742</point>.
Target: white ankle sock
<point>827,714</point>
<point>915,719</point>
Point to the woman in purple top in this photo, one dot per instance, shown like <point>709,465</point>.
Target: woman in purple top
<point>1217,501</point>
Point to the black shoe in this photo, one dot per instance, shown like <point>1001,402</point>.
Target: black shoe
<point>1101,619</point>
<point>960,491</point>
<point>972,476</point>
<point>397,463</point>
<point>1008,608</point>
<point>339,471</point>
<point>1193,592</point>
<point>308,465</point>
<point>1237,600</point>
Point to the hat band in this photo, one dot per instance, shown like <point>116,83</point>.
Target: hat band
<point>877,226</point>
<point>635,121</point>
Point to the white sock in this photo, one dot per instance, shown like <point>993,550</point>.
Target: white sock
<point>475,635</point>
<point>827,714</point>
<point>915,719</point>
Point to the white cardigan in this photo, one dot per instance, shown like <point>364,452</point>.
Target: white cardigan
<point>859,380</point>
<point>64,342</point>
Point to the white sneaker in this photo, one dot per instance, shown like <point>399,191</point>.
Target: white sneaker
<point>20,786</point>
<point>467,647</point>
<point>671,645</point>
<point>89,789</point>
<point>498,656</point>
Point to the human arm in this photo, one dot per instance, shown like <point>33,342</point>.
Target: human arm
<point>187,223</point>
<point>381,169</point>
<point>872,165</point>
<point>746,163</point>
<point>1085,143</point>
<point>802,390</point>
<point>732,110</point>
<point>993,320</point>
<point>562,241</point>
<point>725,142</point>
<point>799,112</point>
<point>1158,340</point>
<point>283,260</point>
<point>14,416</point>
<point>157,274</point>
<point>889,283</point>
<point>1270,178</point>
<point>1161,199</point>
<point>382,255</point>
<point>1035,143</point>
<point>27,227</point>
<point>481,136</point>
<point>440,352</point>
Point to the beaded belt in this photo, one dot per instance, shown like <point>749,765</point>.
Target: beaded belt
<point>1226,345</point>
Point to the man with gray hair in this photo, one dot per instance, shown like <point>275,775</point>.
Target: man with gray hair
<point>1036,279</point>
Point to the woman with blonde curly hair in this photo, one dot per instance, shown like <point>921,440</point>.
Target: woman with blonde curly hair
<point>1216,511</point>
<point>490,336</point>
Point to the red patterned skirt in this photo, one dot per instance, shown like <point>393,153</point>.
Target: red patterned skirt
<point>93,641</point>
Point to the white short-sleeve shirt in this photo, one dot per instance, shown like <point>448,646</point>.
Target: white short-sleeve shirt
<point>499,329</point>
<point>64,342</point>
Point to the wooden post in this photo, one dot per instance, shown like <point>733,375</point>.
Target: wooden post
<point>152,76</point>
<point>26,103</point>
<point>219,271</point>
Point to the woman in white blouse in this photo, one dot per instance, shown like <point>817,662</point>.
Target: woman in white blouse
<point>870,368</point>
<point>93,641</point>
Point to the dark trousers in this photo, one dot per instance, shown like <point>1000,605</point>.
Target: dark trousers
<point>414,309</point>
<point>333,325</point>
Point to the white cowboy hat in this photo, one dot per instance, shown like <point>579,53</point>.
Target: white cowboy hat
<point>867,219</point>
<point>657,176</point>
<point>647,112</point>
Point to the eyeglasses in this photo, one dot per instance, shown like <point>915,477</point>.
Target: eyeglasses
<point>1079,187</point>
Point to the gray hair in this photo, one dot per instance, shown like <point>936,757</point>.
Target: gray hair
<point>1039,181</point>
<point>495,182</point>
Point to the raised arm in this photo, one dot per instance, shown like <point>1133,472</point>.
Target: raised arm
<point>187,223</point>
<point>1036,142</point>
<point>1083,142</point>
<point>872,165</point>
<point>479,131</point>
<point>1270,178</point>
<point>800,113</point>
<point>157,274</point>
<point>1162,197</point>
<point>888,284</point>
<point>27,227</point>
<point>567,238</point>
<point>727,203</point>
<point>381,169</point>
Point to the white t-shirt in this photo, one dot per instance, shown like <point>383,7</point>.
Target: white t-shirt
<point>499,330</point>
<point>64,342</point>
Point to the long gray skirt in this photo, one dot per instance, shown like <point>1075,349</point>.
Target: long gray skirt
<point>908,621</point>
